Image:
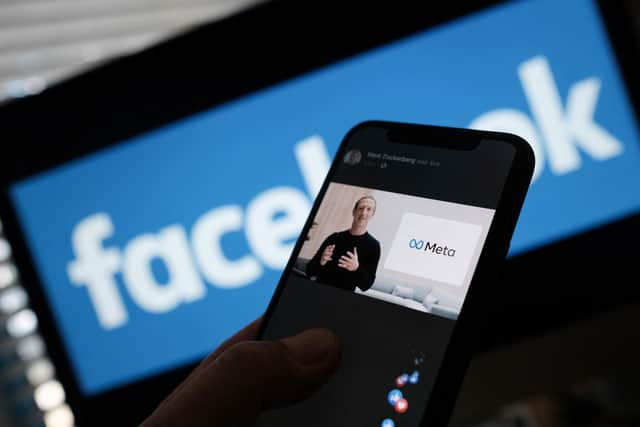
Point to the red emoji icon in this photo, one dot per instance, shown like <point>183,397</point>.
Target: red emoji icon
<point>401,406</point>
<point>402,380</point>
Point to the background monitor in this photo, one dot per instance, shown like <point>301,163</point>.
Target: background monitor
<point>150,250</point>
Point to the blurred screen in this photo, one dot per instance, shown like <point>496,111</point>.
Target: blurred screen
<point>153,251</point>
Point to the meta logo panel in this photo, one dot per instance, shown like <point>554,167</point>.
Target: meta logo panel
<point>154,251</point>
<point>433,248</point>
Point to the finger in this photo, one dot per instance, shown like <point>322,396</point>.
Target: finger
<point>252,376</point>
<point>350,254</point>
<point>355,251</point>
<point>249,332</point>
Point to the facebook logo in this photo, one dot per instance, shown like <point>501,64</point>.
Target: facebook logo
<point>155,250</point>
<point>566,132</point>
<point>95,266</point>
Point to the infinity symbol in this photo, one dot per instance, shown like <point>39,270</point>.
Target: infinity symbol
<point>416,244</point>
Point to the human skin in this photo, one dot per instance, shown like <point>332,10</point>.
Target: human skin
<point>244,377</point>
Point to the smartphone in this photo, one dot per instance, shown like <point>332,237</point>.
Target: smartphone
<point>409,228</point>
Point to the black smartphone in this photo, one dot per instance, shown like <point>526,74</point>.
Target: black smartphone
<point>412,222</point>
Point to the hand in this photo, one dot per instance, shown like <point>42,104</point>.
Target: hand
<point>349,261</point>
<point>327,254</point>
<point>244,377</point>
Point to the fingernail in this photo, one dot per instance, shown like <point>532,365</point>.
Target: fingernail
<point>313,346</point>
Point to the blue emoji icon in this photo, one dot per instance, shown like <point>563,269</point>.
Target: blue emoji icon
<point>387,422</point>
<point>414,378</point>
<point>393,396</point>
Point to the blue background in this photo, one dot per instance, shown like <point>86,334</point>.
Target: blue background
<point>447,76</point>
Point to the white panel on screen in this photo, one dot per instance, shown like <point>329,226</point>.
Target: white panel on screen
<point>433,248</point>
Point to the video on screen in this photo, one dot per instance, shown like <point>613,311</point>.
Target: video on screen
<point>411,251</point>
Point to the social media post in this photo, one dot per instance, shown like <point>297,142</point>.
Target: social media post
<point>383,158</point>
<point>414,252</point>
<point>436,170</point>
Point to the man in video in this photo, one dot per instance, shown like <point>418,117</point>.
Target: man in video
<point>349,258</point>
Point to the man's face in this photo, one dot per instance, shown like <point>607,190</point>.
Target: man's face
<point>363,212</point>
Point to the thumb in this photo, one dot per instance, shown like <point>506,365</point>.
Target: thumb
<point>252,376</point>
<point>355,251</point>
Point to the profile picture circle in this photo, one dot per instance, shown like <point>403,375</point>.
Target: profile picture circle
<point>353,157</point>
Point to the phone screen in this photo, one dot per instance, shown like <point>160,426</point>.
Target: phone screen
<point>386,263</point>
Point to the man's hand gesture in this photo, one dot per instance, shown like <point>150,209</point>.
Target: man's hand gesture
<point>326,255</point>
<point>349,261</point>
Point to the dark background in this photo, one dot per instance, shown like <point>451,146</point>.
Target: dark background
<point>579,339</point>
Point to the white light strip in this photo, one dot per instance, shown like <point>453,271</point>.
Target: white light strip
<point>22,323</point>
<point>5,250</point>
<point>59,417</point>
<point>7,275</point>
<point>49,395</point>
<point>39,371</point>
<point>30,347</point>
<point>12,299</point>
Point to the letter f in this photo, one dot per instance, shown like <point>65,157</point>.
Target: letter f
<point>94,268</point>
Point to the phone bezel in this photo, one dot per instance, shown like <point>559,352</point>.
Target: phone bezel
<point>467,329</point>
<point>176,79</point>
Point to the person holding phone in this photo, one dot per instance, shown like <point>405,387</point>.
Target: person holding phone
<point>349,258</point>
<point>435,208</point>
<point>245,377</point>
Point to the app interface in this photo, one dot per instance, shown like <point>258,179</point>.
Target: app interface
<point>386,264</point>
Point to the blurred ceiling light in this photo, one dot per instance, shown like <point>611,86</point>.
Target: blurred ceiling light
<point>22,323</point>
<point>30,348</point>
<point>24,87</point>
<point>92,53</point>
<point>7,275</point>
<point>5,249</point>
<point>49,395</point>
<point>59,417</point>
<point>12,300</point>
<point>39,371</point>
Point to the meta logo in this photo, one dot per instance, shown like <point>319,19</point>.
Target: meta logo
<point>270,221</point>
<point>433,247</point>
<point>564,130</point>
<point>442,263</point>
<point>416,244</point>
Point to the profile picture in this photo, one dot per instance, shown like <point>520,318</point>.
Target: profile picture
<point>353,157</point>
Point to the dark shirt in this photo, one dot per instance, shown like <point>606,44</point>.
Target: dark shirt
<point>368,256</point>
